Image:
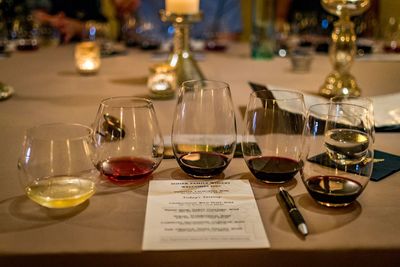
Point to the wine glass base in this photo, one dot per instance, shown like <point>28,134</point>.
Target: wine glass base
<point>333,205</point>
<point>6,91</point>
<point>340,84</point>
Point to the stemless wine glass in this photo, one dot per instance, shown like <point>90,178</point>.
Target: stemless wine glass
<point>204,128</point>
<point>359,101</point>
<point>338,153</point>
<point>272,137</point>
<point>55,166</point>
<point>128,143</point>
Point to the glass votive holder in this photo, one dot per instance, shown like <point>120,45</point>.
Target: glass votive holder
<point>162,81</point>
<point>301,58</point>
<point>87,57</point>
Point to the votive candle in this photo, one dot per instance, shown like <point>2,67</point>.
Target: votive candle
<point>87,57</point>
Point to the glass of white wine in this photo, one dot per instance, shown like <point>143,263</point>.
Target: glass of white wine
<point>337,153</point>
<point>55,167</point>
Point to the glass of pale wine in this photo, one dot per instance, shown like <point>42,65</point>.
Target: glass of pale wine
<point>204,128</point>
<point>338,152</point>
<point>128,144</point>
<point>272,138</point>
<point>55,167</point>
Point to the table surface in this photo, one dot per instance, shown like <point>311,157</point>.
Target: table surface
<point>107,230</point>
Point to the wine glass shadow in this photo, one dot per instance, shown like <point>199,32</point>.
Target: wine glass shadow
<point>319,218</point>
<point>264,190</point>
<point>64,100</point>
<point>20,214</point>
<point>106,187</point>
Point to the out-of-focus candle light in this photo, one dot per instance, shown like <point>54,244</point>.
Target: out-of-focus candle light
<point>87,57</point>
<point>162,81</point>
<point>182,6</point>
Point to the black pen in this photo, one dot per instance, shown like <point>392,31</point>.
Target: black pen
<point>293,212</point>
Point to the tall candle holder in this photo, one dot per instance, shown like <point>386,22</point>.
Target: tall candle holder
<point>181,58</point>
<point>343,48</point>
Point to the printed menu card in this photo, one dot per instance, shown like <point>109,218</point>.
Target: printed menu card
<point>202,214</point>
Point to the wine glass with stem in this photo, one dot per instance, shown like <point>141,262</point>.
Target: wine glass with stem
<point>204,128</point>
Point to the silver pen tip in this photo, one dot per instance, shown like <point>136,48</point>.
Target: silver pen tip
<point>303,228</point>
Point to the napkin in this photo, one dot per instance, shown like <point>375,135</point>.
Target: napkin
<point>386,107</point>
<point>389,165</point>
<point>385,165</point>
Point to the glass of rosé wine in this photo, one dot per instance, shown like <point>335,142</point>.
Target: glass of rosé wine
<point>128,144</point>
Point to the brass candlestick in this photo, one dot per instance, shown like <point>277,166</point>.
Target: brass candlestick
<point>343,48</point>
<point>181,57</point>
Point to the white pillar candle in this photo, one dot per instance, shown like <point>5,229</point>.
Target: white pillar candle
<point>182,6</point>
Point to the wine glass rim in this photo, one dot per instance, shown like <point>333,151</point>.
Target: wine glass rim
<point>296,95</point>
<point>134,102</point>
<point>311,107</point>
<point>37,132</point>
<point>217,84</point>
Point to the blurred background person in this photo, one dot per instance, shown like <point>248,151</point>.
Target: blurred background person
<point>73,18</point>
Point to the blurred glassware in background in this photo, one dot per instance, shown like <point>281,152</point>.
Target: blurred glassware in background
<point>4,50</point>
<point>24,30</point>
<point>301,58</point>
<point>128,30</point>
<point>392,35</point>
<point>263,36</point>
<point>148,34</point>
<point>5,90</point>
<point>48,35</point>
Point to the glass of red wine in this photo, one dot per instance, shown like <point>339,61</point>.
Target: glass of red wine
<point>272,138</point>
<point>338,152</point>
<point>204,128</point>
<point>128,144</point>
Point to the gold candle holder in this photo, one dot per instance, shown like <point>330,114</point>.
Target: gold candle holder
<point>87,57</point>
<point>181,58</point>
<point>340,82</point>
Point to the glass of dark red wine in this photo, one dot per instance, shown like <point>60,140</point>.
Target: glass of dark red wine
<point>272,138</point>
<point>338,152</point>
<point>128,144</point>
<point>204,128</point>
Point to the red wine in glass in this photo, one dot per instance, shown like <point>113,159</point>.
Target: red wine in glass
<point>273,169</point>
<point>203,164</point>
<point>335,190</point>
<point>121,170</point>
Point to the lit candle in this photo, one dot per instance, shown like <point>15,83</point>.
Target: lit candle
<point>87,57</point>
<point>182,6</point>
